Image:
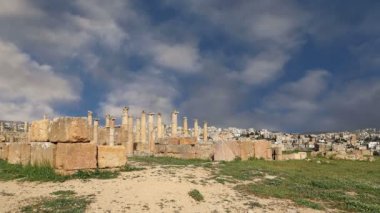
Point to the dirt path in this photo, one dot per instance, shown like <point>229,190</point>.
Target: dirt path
<point>155,189</point>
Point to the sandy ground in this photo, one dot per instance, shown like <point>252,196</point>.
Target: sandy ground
<point>156,189</point>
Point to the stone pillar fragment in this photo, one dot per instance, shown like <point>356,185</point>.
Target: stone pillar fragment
<point>151,132</point>
<point>125,119</point>
<point>130,136</point>
<point>185,127</point>
<point>143,127</point>
<point>26,125</point>
<point>108,119</point>
<point>89,118</point>
<point>95,132</point>
<point>205,133</point>
<point>196,129</point>
<point>112,132</point>
<point>174,123</point>
<point>138,131</point>
<point>159,126</point>
<point>1,127</point>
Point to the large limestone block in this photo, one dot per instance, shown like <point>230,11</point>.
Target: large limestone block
<point>74,156</point>
<point>142,147</point>
<point>160,148</point>
<point>303,155</point>
<point>43,153</point>
<point>173,141</point>
<point>262,149</point>
<point>4,150</point>
<point>111,156</point>
<point>19,153</point>
<point>103,136</point>
<point>39,130</point>
<point>246,150</point>
<point>204,151</point>
<point>226,151</point>
<point>179,149</point>
<point>69,129</point>
<point>188,140</point>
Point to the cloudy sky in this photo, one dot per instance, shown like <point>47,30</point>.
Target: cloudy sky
<point>282,64</point>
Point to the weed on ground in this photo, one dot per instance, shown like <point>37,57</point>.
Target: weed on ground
<point>61,202</point>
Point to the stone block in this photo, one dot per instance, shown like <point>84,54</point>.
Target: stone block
<point>4,150</point>
<point>142,147</point>
<point>303,155</point>
<point>111,156</point>
<point>204,151</point>
<point>39,130</point>
<point>19,153</point>
<point>103,136</point>
<point>246,150</point>
<point>160,148</point>
<point>74,156</point>
<point>173,140</point>
<point>262,149</point>
<point>188,140</point>
<point>43,153</point>
<point>69,130</point>
<point>226,151</point>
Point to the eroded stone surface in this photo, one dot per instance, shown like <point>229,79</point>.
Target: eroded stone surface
<point>73,156</point>
<point>69,130</point>
<point>43,153</point>
<point>19,153</point>
<point>39,130</point>
<point>111,156</point>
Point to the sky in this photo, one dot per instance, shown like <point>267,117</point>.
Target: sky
<point>283,65</point>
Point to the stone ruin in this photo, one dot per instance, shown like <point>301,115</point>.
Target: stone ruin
<point>342,152</point>
<point>80,143</point>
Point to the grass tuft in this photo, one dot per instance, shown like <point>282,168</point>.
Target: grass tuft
<point>171,161</point>
<point>61,202</point>
<point>128,168</point>
<point>196,195</point>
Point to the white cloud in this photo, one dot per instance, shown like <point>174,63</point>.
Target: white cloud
<point>29,89</point>
<point>263,68</point>
<point>179,57</point>
<point>18,8</point>
<point>146,92</point>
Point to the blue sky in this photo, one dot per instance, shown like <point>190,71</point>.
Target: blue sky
<point>283,65</point>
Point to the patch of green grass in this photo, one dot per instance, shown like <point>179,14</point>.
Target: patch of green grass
<point>309,204</point>
<point>170,161</point>
<point>196,195</point>
<point>62,202</point>
<point>63,193</point>
<point>97,174</point>
<point>28,172</point>
<point>345,185</point>
<point>128,168</point>
<point>46,173</point>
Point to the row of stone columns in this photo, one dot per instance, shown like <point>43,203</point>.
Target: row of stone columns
<point>139,134</point>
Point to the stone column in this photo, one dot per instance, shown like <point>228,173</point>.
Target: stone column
<point>112,132</point>
<point>138,131</point>
<point>143,127</point>
<point>205,133</point>
<point>151,132</point>
<point>174,123</point>
<point>130,136</point>
<point>89,118</point>
<point>185,127</point>
<point>108,119</point>
<point>95,132</point>
<point>196,129</point>
<point>1,127</point>
<point>124,118</point>
<point>15,128</point>
<point>26,126</point>
<point>159,126</point>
